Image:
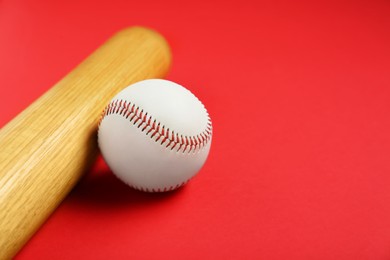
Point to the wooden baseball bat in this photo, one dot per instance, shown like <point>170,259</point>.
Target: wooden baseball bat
<point>46,149</point>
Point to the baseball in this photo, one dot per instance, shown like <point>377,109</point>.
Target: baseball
<point>155,135</point>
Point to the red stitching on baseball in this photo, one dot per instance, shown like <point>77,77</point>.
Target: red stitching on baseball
<point>156,130</point>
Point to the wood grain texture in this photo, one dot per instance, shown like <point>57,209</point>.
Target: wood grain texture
<point>47,148</point>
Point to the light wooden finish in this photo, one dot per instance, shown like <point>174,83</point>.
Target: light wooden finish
<point>47,148</point>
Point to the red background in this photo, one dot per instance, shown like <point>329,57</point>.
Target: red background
<point>299,97</point>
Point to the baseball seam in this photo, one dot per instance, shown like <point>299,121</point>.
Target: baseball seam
<point>164,189</point>
<point>157,131</point>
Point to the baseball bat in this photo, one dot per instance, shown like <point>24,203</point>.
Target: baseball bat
<point>46,148</point>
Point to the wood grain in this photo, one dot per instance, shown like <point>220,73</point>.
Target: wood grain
<point>46,149</point>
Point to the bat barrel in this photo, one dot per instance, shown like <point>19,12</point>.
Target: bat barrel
<point>46,149</point>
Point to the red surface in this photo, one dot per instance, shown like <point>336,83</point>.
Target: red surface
<point>299,97</point>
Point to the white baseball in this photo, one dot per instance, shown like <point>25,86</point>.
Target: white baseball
<point>155,135</point>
